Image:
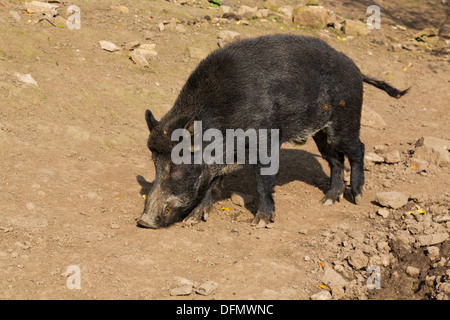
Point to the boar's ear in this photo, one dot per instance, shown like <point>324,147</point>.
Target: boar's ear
<point>190,125</point>
<point>151,121</point>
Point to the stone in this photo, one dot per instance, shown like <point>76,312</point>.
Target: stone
<point>181,291</point>
<point>395,47</point>
<point>383,212</point>
<point>412,271</point>
<point>433,155</point>
<point>433,142</point>
<point>141,54</point>
<point>108,46</point>
<point>25,78</point>
<point>227,36</point>
<point>311,16</point>
<point>432,239</point>
<point>392,157</point>
<point>358,259</point>
<point>138,58</point>
<point>247,12</point>
<point>335,281</point>
<point>180,28</point>
<point>131,45</point>
<point>421,165</point>
<point>115,226</point>
<point>427,32</point>
<point>41,7</point>
<point>207,288</point>
<point>322,295</point>
<point>373,157</point>
<point>355,28</point>
<point>391,199</point>
<point>433,253</point>
<point>272,5</point>
<point>409,46</point>
<point>287,12</point>
<point>371,119</point>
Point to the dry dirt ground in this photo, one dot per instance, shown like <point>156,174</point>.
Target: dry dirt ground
<point>74,165</point>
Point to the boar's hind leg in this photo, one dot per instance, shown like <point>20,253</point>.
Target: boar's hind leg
<point>335,160</point>
<point>202,210</point>
<point>266,205</point>
<point>346,140</point>
<point>355,154</point>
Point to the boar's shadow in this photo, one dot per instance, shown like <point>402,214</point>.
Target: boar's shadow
<point>294,165</point>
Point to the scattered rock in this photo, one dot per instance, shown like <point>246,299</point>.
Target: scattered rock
<point>41,7</point>
<point>421,164</point>
<point>240,199</point>
<point>391,199</point>
<point>207,288</point>
<point>231,16</point>
<point>432,239</point>
<point>227,36</point>
<point>287,13</point>
<point>412,271</point>
<point>115,226</point>
<point>383,212</point>
<point>358,259</point>
<point>311,16</point>
<point>355,28</point>
<point>180,28</point>
<point>247,12</point>
<point>181,291</point>
<point>392,157</point>
<point>25,78</point>
<point>335,281</point>
<point>409,46</point>
<point>434,155</point>
<point>141,55</point>
<point>370,156</point>
<point>395,47</point>
<point>131,45</point>
<point>322,295</point>
<point>433,142</point>
<point>433,253</point>
<point>108,46</point>
<point>372,119</point>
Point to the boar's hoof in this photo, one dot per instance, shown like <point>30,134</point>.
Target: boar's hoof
<point>357,198</point>
<point>331,197</point>
<point>260,220</point>
<point>190,220</point>
<point>195,216</point>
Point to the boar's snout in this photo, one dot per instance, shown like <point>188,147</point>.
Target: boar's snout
<point>148,222</point>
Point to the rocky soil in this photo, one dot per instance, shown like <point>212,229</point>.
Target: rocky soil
<point>75,83</point>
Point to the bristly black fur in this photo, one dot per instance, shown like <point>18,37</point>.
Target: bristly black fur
<point>384,86</point>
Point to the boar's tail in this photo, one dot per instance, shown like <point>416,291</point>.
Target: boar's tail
<point>384,86</point>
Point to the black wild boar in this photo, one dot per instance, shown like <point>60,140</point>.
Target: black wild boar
<point>298,86</point>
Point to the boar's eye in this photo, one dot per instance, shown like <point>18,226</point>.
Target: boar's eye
<point>166,210</point>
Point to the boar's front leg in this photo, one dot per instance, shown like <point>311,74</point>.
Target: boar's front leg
<point>266,205</point>
<point>202,210</point>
